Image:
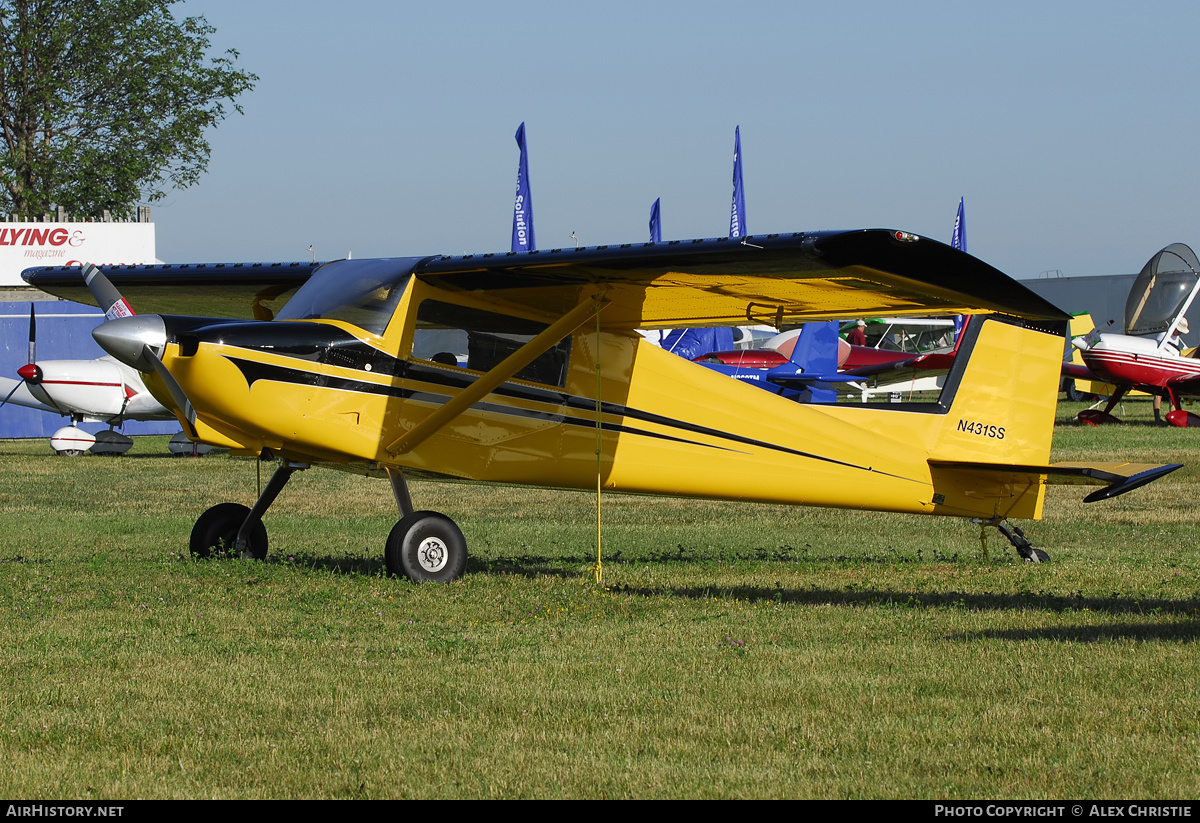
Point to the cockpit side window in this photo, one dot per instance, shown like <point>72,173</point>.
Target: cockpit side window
<point>478,339</point>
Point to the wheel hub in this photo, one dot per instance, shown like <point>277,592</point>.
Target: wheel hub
<point>432,554</point>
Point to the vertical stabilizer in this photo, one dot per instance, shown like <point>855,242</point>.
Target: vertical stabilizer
<point>1002,412</point>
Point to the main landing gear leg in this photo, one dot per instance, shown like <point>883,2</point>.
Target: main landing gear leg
<point>423,546</point>
<point>236,531</point>
<point>1015,536</point>
<point>400,490</point>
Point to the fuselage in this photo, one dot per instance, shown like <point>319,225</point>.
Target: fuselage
<point>600,403</point>
<point>1137,361</point>
<point>100,390</point>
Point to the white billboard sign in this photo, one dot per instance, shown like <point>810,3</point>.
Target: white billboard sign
<point>24,245</point>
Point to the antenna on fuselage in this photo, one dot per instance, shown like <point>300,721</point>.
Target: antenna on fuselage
<point>576,239</point>
<point>313,253</point>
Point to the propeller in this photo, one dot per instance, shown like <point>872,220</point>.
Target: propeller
<point>106,294</point>
<point>1090,339</point>
<point>10,394</point>
<point>177,395</point>
<point>136,340</point>
<point>29,371</point>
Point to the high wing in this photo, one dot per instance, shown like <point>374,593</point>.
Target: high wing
<point>251,291</point>
<point>771,279</point>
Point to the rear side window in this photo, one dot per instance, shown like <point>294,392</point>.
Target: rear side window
<point>477,339</point>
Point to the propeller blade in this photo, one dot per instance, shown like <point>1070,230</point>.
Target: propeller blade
<point>32,337</point>
<point>177,394</point>
<point>106,294</point>
<point>126,339</point>
<point>1086,341</point>
<point>10,394</point>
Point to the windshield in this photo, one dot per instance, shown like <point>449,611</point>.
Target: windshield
<point>1161,289</point>
<point>361,292</point>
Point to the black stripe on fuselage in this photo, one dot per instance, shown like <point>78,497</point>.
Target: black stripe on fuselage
<point>254,370</point>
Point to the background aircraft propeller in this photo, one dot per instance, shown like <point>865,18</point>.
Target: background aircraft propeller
<point>10,394</point>
<point>132,338</point>
<point>30,370</point>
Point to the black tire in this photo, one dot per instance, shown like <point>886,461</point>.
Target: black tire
<point>71,453</point>
<point>1073,395</point>
<point>217,528</point>
<point>426,547</point>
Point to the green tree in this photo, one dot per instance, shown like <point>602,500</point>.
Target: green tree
<point>105,103</point>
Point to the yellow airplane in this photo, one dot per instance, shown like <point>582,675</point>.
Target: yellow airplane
<point>529,369</point>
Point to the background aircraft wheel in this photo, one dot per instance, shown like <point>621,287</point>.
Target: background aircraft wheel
<point>217,528</point>
<point>70,453</point>
<point>426,546</point>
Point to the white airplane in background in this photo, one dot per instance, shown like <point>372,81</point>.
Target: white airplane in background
<point>103,390</point>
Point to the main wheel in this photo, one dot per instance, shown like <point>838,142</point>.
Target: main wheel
<point>425,547</point>
<point>216,530</point>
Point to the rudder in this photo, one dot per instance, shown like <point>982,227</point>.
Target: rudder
<point>1002,412</point>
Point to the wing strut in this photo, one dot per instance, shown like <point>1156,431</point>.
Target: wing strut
<point>499,373</point>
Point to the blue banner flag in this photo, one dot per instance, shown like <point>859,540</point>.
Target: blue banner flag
<point>522,235</point>
<point>959,238</point>
<point>655,223</point>
<point>737,217</point>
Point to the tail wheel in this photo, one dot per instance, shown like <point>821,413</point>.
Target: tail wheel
<point>216,530</point>
<point>426,547</point>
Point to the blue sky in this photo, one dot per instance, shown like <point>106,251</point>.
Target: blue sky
<point>386,129</point>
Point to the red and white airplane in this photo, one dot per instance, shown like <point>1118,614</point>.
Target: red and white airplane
<point>1149,356</point>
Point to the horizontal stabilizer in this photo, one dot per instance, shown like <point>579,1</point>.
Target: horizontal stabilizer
<point>1117,478</point>
<point>898,365</point>
<point>789,374</point>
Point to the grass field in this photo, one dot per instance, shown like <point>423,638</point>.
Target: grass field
<point>733,650</point>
